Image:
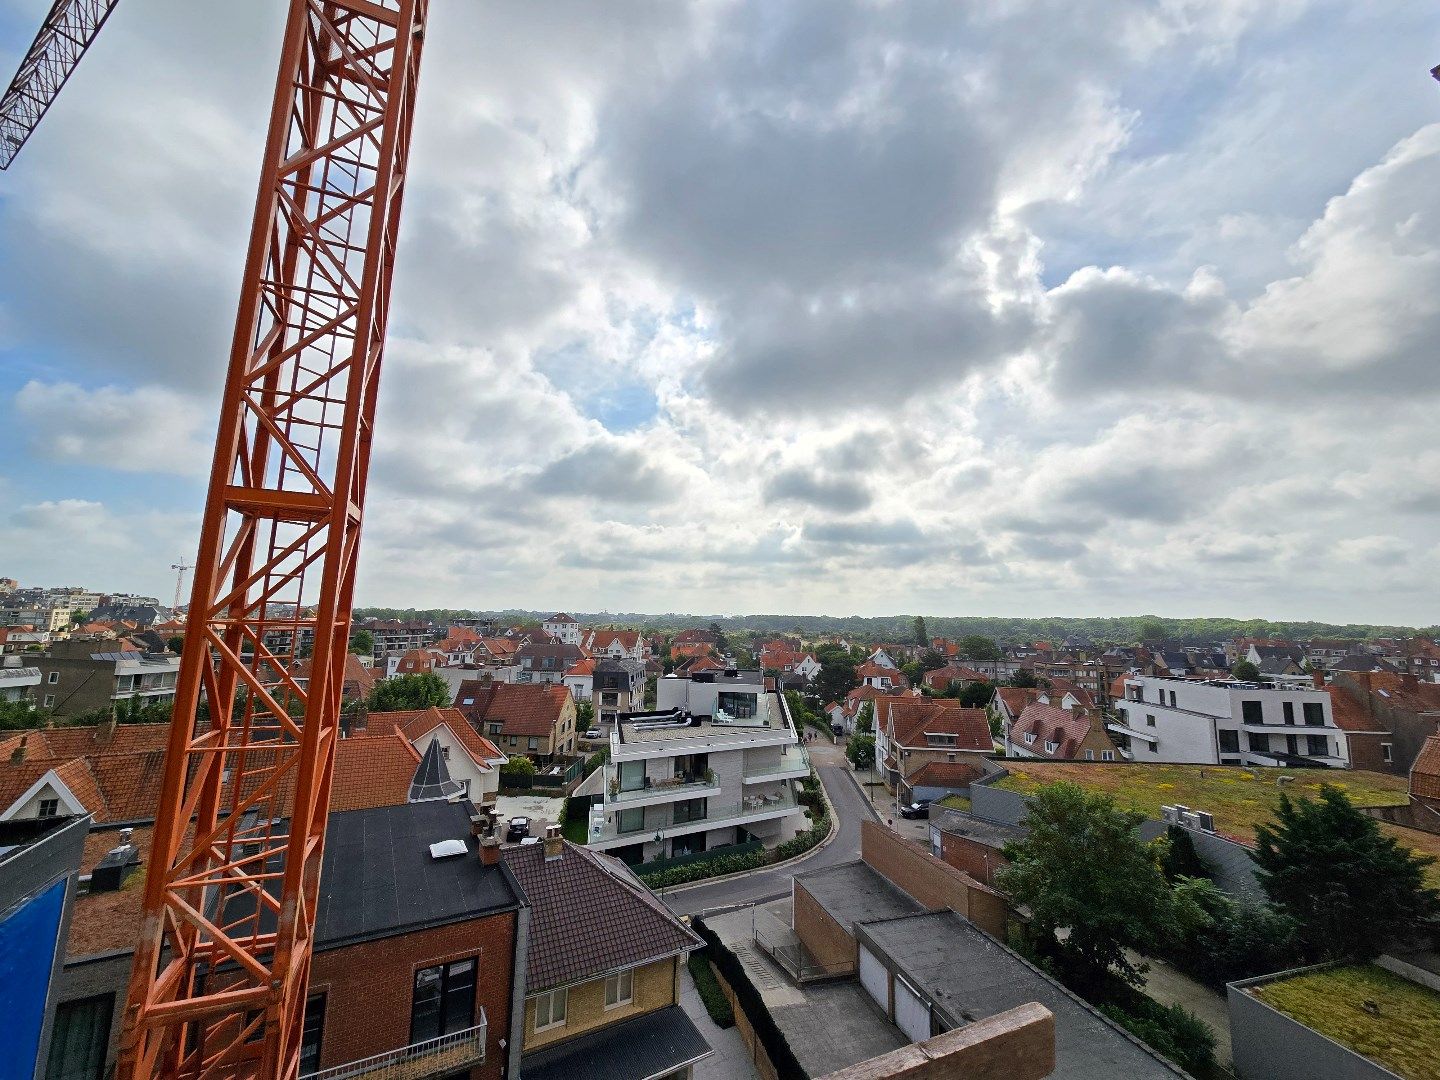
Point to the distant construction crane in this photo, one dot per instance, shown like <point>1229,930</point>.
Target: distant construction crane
<point>179,568</point>
<point>222,961</point>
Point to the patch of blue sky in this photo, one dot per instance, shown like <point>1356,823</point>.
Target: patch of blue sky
<point>613,395</point>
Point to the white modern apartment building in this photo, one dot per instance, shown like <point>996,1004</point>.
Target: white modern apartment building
<point>1227,723</point>
<point>715,766</point>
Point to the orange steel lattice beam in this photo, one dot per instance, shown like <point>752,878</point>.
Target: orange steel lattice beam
<point>61,41</point>
<point>218,986</point>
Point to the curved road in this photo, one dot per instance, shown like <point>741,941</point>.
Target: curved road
<point>850,809</point>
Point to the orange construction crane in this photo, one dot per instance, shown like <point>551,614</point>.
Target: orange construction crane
<point>223,958</point>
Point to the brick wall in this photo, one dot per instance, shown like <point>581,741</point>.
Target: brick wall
<point>971,857</point>
<point>369,988</point>
<point>929,880</point>
<point>1365,752</point>
<point>652,987</point>
<point>826,939</point>
<point>1014,1045</point>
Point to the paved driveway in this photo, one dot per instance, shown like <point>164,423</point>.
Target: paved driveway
<point>850,809</point>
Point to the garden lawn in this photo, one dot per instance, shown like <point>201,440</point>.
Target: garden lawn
<point>1240,798</point>
<point>1404,1036</point>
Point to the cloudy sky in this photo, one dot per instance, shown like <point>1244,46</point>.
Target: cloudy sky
<point>825,306</point>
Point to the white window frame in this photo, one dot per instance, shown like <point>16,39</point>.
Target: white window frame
<point>622,981</point>
<point>550,1000</point>
<point>1387,752</point>
<point>1089,755</point>
<point>54,807</point>
<point>1107,755</point>
<point>49,701</point>
<point>52,678</point>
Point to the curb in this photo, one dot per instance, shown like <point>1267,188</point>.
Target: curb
<point>864,795</point>
<point>740,875</point>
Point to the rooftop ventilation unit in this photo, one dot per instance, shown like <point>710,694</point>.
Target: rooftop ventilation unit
<point>444,849</point>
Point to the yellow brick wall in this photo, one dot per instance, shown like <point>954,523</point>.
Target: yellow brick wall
<point>654,988</point>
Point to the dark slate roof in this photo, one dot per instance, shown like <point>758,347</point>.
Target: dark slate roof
<point>432,778</point>
<point>378,878</point>
<point>590,916</point>
<point>648,1046</point>
<point>852,892</point>
<point>992,834</point>
<point>971,976</point>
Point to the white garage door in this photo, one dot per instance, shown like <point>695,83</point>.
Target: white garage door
<point>875,979</point>
<point>912,1016</point>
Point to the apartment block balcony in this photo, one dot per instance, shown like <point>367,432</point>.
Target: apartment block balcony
<point>793,764</point>
<point>436,1057</point>
<point>655,791</point>
<point>606,823</point>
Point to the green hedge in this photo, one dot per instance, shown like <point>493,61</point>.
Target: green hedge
<point>708,987</point>
<point>1171,1031</point>
<point>655,866</point>
<point>770,1036</point>
<point>704,868</point>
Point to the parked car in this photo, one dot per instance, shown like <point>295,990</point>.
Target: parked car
<point>594,733</point>
<point>837,730</point>
<point>518,829</point>
<point>919,809</point>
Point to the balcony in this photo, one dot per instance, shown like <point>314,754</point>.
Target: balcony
<point>793,764</point>
<point>434,1057</point>
<point>656,791</point>
<point>605,831</point>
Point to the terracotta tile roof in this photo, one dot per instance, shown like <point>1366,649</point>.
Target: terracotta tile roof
<point>499,647</point>
<point>100,739</point>
<point>589,916</point>
<point>581,668</point>
<point>130,784</point>
<point>417,724</point>
<point>371,771</point>
<point>697,648</point>
<point>1066,728</point>
<point>418,661</point>
<point>870,669</point>
<point>1350,712</point>
<point>357,675</point>
<point>941,678</point>
<point>1425,773</point>
<point>1117,688</point>
<point>603,639</point>
<point>910,720</point>
<point>1017,698</point>
<point>523,709</point>
<point>16,778</point>
<point>945,774</point>
<point>1061,687</point>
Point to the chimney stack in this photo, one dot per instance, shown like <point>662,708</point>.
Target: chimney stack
<point>489,851</point>
<point>1317,676</point>
<point>554,844</point>
<point>105,732</point>
<point>17,756</point>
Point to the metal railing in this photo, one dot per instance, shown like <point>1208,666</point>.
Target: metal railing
<point>654,786</point>
<point>791,759</point>
<point>607,828</point>
<point>437,1056</point>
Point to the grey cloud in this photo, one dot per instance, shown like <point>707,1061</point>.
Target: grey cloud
<point>863,533</point>
<point>841,494</point>
<point>607,473</point>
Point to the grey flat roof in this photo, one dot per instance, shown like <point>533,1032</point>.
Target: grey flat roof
<point>655,1044</point>
<point>972,976</point>
<point>378,878</point>
<point>852,892</point>
<point>991,833</point>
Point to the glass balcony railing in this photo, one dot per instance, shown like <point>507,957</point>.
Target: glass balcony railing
<point>689,785</point>
<point>793,760</point>
<point>605,826</point>
<point>458,1051</point>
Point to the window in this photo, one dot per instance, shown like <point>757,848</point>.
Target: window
<point>620,988</point>
<point>514,740</point>
<point>550,1009</point>
<point>1259,744</point>
<point>632,775</point>
<point>1050,747</point>
<point>443,1001</point>
<point>445,752</point>
<point>628,821</point>
<point>1385,751</point>
<point>49,701</point>
<point>1317,745</point>
<point>80,1037</point>
<point>1288,707</point>
<point>49,808</point>
<point>495,729</point>
<point>534,743</point>
<point>1029,737</point>
<point>53,678</point>
<point>689,810</point>
<point>1149,719</point>
<point>1229,742</point>
<point>1107,755</point>
<point>1089,755</point>
<point>1172,699</point>
<point>1252,712</point>
<point>1314,714</point>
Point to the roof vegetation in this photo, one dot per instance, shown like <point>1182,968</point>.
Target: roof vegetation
<point>1372,1011</point>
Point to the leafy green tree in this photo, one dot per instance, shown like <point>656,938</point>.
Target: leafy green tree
<point>976,695</point>
<point>584,714</point>
<point>1245,671</point>
<point>1150,630</point>
<point>913,671</point>
<point>518,772</point>
<point>1082,868</point>
<point>1025,678</point>
<point>722,643</point>
<point>979,647</point>
<point>1178,858</point>
<point>836,678</point>
<point>79,618</point>
<point>1234,940</point>
<point>419,691</point>
<point>175,643</point>
<point>860,749</point>
<point>20,716</point>
<point>1351,889</point>
<point>865,718</point>
<point>362,643</point>
<point>930,660</point>
<point>917,629</point>
<point>142,711</point>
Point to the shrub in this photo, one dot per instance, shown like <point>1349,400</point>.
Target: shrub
<point>1171,1031</point>
<point>1236,940</point>
<point>708,987</point>
<point>518,772</point>
<point>704,868</point>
